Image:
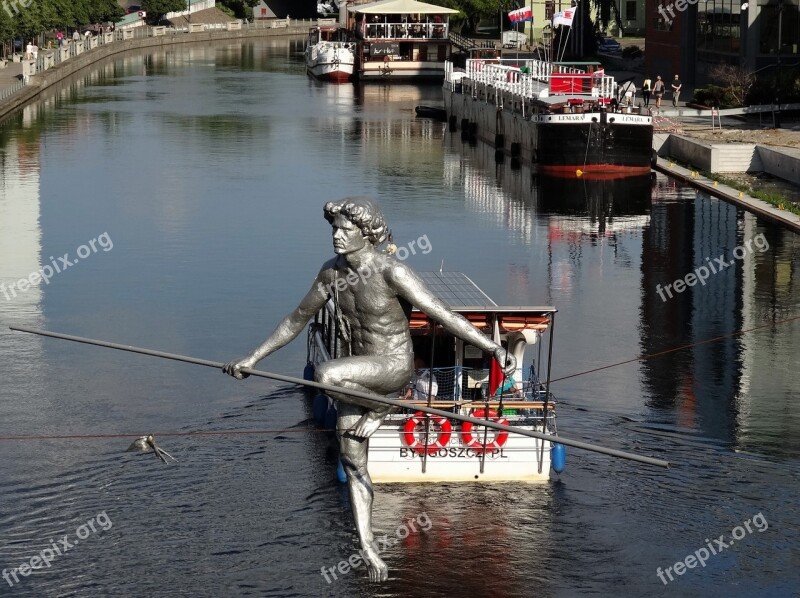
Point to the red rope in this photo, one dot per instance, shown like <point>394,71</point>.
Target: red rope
<point>315,430</point>
<point>157,434</point>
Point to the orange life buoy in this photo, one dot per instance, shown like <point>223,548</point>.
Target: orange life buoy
<point>473,443</point>
<point>445,429</point>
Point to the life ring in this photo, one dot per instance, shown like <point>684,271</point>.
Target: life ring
<point>473,443</point>
<point>445,430</point>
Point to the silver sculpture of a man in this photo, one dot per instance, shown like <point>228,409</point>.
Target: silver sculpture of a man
<point>372,309</point>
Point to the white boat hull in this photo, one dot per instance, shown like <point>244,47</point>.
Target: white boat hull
<point>330,62</point>
<point>401,69</point>
<point>391,460</point>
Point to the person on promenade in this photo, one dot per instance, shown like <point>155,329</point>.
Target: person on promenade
<point>658,90</point>
<point>60,38</point>
<point>423,380</point>
<point>376,349</point>
<point>676,90</point>
<point>76,36</point>
<point>29,50</point>
<point>34,51</point>
<point>627,93</point>
<point>646,89</point>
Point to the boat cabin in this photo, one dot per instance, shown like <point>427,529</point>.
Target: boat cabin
<point>401,38</point>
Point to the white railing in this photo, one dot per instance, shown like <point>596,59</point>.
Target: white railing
<point>530,78</point>
<point>405,31</point>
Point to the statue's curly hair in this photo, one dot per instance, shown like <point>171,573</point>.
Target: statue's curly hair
<point>363,212</point>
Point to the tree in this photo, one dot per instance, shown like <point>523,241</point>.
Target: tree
<point>475,10</point>
<point>735,80</point>
<point>605,9</point>
<point>241,9</point>
<point>157,9</point>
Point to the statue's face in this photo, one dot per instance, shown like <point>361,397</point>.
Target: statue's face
<point>347,237</point>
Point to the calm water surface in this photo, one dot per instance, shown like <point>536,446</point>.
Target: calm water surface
<point>201,174</point>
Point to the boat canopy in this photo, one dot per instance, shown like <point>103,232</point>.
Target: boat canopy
<point>509,319</point>
<point>401,7</point>
<point>463,296</point>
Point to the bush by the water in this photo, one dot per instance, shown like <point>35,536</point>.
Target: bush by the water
<point>632,52</point>
<point>714,96</point>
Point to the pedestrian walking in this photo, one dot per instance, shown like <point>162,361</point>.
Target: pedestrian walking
<point>658,90</point>
<point>647,87</point>
<point>60,38</point>
<point>676,90</point>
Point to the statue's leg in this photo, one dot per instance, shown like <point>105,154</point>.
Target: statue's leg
<point>380,374</point>
<point>354,460</point>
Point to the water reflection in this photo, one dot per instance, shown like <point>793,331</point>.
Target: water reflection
<point>208,166</point>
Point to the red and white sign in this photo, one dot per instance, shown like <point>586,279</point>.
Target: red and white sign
<point>563,18</point>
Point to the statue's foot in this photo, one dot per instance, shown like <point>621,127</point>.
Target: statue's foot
<point>368,424</point>
<point>377,569</point>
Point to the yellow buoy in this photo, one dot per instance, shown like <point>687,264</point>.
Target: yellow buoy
<point>578,172</point>
<point>741,194</point>
<point>716,183</point>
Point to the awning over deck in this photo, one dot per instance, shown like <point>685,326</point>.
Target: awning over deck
<point>463,296</point>
<point>401,7</point>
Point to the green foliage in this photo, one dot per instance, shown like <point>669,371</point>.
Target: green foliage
<point>156,9</point>
<point>714,96</point>
<point>475,10</point>
<point>47,15</point>
<point>241,9</point>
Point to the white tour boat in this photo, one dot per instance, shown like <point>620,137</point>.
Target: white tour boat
<point>413,447</point>
<point>330,53</point>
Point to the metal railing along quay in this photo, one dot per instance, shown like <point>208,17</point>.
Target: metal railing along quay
<point>51,57</point>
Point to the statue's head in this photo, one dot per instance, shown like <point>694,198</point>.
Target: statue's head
<point>359,212</point>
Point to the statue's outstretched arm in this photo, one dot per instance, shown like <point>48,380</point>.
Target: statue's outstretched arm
<point>288,329</point>
<point>408,285</point>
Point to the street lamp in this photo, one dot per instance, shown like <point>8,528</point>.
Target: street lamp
<point>189,15</point>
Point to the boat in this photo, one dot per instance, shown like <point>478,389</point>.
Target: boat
<point>562,117</point>
<point>401,39</point>
<point>431,112</point>
<point>330,53</point>
<point>411,447</point>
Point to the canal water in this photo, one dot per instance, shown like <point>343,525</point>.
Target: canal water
<point>184,190</point>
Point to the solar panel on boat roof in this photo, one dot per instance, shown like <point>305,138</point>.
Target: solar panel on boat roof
<point>455,289</point>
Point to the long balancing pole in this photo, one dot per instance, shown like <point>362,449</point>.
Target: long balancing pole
<point>355,393</point>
